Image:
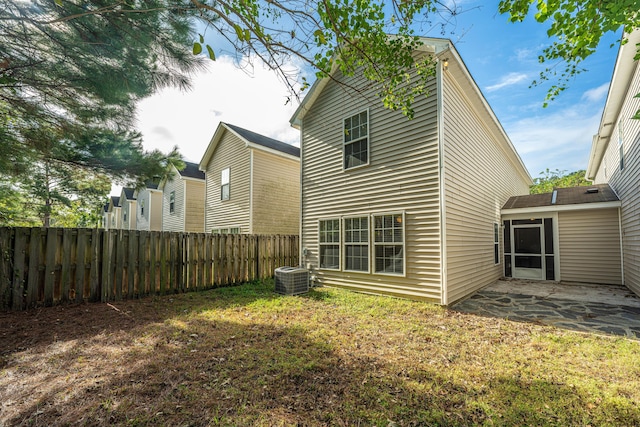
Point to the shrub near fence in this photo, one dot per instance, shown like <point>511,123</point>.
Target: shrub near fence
<point>40,266</point>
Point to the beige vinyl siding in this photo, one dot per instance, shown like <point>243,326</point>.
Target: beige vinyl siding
<point>626,182</point>
<point>402,177</point>
<point>173,221</point>
<point>232,153</point>
<point>480,176</point>
<point>194,215</point>
<point>590,246</point>
<point>155,210</point>
<point>276,194</point>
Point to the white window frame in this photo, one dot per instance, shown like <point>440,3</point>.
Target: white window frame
<point>345,143</point>
<point>172,202</point>
<point>225,180</point>
<point>338,244</point>
<point>346,243</point>
<point>376,243</point>
<point>496,243</point>
<point>142,207</point>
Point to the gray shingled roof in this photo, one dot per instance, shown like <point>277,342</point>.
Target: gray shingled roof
<point>565,196</point>
<point>191,171</point>
<point>265,141</point>
<point>115,200</point>
<point>128,193</point>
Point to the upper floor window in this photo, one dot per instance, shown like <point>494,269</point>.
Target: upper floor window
<point>356,140</point>
<point>224,185</point>
<point>621,143</point>
<point>172,202</point>
<point>142,207</point>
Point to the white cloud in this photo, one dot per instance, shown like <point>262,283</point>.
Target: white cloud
<point>560,140</point>
<point>596,94</point>
<point>255,101</point>
<point>508,80</point>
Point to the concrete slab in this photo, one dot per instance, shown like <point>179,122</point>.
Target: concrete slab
<point>582,292</point>
<point>603,309</point>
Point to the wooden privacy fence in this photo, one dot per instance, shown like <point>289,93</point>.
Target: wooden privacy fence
<point>40,266</point>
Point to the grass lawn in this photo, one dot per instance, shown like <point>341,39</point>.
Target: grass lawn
<point>245,356</point>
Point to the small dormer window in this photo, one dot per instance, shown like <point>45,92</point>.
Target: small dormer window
<point>356,140</point>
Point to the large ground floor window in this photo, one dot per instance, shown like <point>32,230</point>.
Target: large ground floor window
<point>363,243</point>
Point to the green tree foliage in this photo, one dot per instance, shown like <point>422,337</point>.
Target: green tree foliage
<point>69,82</point>
<point>551,179</point>
<point>576,28</point>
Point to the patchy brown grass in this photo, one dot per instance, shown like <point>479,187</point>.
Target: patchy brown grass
<point>246,356</point>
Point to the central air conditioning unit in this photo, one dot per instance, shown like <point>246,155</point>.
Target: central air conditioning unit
<point>292,280</point>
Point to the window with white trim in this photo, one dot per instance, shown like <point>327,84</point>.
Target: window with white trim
<point>224,184</point>
<point>142,207</point>
<point>329,243</point>
<point>356,244</point>
<point>234,230</point>
<point>496,243</point>
<point>388,243</point>
<point>172,202</point>
<point>356,140</point>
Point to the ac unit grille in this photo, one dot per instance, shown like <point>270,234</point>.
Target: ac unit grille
<point>291,280</point>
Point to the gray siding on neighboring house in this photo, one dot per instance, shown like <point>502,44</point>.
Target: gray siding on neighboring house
<point>151,218</point>
<point>590,246</point>
<point>275,193</point>
<point>232,153</point>
<point>626,182</point>
<point>173,221</point>
<point>402,177</point>
<point>481,173</point>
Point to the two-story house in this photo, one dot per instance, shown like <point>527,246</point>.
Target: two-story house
<point>409,208</point>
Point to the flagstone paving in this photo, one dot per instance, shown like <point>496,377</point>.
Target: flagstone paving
<point>589,308</point>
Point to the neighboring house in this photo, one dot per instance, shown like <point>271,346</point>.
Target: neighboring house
<point>149,208</point>
<point>111,216</point>
<point>127,209</point>
<point>615,155</point>
<point>183,200</point>
<point>409,208</point>
<point>252,183</point>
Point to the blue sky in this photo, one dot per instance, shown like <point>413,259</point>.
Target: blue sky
<point>501,56</point>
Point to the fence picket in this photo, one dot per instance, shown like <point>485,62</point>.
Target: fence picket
<point>41,266</point>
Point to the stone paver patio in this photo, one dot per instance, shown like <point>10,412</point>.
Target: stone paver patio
<point>604,309</point>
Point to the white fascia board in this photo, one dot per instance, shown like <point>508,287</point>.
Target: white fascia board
<point>618,88</point>
<point>271,151</point>
<point>560,208</point>
<point>213,143</point>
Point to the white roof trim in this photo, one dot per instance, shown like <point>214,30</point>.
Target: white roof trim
<point>559,208</point>
<point>429,45</point>
<point>620,82</point>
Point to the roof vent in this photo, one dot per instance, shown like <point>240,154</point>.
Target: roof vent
<point>592,190</point>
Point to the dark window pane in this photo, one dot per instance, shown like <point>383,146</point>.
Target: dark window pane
<point>355,154</point>
<point>507,237</point>
<point>548,236</point>
<point>496,254</point>
<point>526,221</point>
<point>329,256</point>
<point>389,259</point>
<point>527,240</point>
<point>528,261</point>
<point>550,267</point>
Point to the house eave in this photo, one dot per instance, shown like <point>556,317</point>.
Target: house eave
<point>620,82</point>
<point>561,208</point>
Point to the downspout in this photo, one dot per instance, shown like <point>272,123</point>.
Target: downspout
<point>302,258</point>
<point>621,245</point>
<point>444,297</point>
<point>250,190</point>
<point>184,205</point>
